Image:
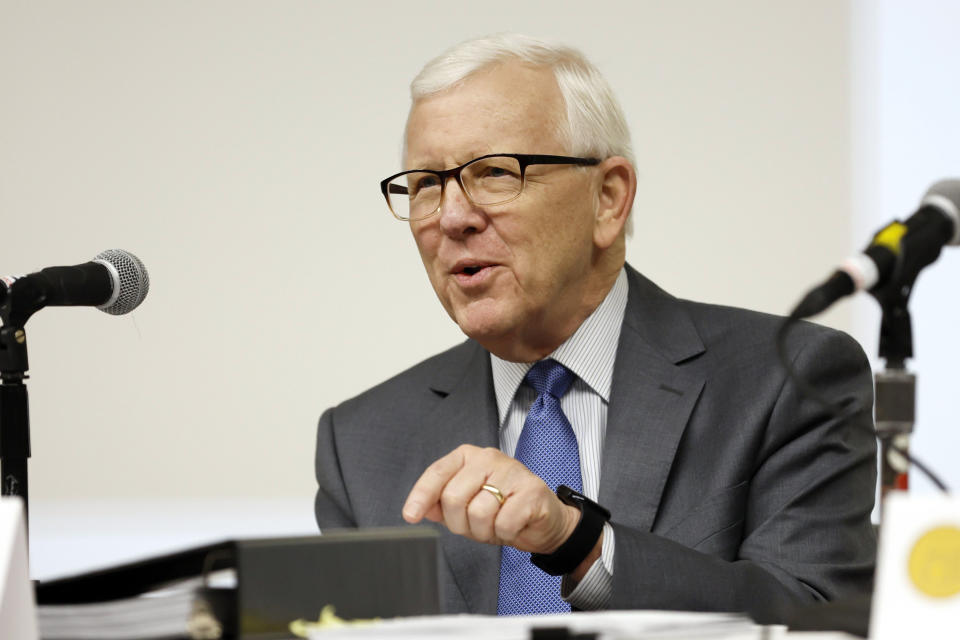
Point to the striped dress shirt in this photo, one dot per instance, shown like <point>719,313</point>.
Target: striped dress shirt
<point>589,353</point>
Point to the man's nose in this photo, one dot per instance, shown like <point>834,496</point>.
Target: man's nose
<point>458,215</point>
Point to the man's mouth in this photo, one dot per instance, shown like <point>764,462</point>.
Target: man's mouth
<point>471,271</point>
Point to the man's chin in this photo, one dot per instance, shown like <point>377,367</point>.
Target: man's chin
<point>485,325</point>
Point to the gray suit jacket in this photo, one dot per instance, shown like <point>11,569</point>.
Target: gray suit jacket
<point>729,491</point>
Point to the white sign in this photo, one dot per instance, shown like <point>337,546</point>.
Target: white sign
<point>917,592</point>
<point>18,611</point>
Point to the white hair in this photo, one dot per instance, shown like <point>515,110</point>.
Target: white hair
<point>595,125</point>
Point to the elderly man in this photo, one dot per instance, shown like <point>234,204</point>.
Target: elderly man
<point>596,442</point>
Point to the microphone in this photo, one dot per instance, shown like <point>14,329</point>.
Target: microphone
<point>898,248</point>
<point>115,282</point>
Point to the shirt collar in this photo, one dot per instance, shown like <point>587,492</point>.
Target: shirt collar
<point>589,352</point>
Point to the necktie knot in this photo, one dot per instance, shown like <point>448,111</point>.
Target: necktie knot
<point>549,376</point>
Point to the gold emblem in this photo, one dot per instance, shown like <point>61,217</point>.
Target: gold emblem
<point>934,563</point>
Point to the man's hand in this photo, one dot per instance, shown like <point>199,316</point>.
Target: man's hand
<point>532,518</point>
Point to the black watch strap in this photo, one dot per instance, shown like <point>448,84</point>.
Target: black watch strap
<point>581,542</point>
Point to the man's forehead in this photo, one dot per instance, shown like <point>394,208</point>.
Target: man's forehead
<point>504,108</point>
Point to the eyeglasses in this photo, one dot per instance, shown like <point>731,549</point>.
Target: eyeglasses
<point>492,179</point>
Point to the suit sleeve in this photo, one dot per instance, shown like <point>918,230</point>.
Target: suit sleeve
<point>806,529</point>
<point>332,506</point>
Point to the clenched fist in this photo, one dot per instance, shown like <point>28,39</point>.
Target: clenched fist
<point>450,492</point>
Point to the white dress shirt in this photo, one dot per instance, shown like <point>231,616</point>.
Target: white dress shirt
<point>589,353</point>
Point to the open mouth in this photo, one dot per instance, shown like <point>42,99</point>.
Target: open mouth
<point>471,270</point>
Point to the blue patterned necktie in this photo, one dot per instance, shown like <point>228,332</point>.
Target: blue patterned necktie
<point>548,447</point>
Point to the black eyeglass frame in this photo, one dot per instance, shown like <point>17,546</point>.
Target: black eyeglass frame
<point>524,160</point>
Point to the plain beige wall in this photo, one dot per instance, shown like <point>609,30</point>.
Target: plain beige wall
<point>236,147</point>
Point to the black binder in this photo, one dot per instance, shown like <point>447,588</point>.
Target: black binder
<point>363,573</point>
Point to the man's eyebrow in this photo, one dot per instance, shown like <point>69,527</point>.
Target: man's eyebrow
<point>458,160</point>
<point>433,166</point>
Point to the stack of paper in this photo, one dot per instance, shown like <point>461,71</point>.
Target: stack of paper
<point>184,609</point>
<point>608,625</point>
<point>141,617</point>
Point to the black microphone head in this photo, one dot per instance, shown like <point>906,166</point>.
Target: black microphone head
<point>130,281</point>
<point>945,196</point>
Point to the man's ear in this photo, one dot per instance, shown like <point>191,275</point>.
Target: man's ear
<point>616,189</point>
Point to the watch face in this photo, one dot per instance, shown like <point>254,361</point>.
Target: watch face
<point>576,499</point>
<point>569,496</point>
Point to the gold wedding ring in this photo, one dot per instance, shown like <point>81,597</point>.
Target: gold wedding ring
<point>492,490</point>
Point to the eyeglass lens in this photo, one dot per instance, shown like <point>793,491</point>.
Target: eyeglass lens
<point>487,181</point>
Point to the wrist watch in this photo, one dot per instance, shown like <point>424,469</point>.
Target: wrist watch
<point>571,553</point>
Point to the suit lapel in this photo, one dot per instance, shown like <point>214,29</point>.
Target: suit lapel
<point>651,400</point>
<point>467,415</point>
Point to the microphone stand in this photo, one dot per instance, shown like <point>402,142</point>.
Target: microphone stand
<point>895,391</point>
<point>895,386</point>
<point>14,418</point>
<point>20,302</point>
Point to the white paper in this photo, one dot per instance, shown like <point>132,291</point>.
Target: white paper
<point>18,610</point>
<point>918,568</point>
<point>610,625</point>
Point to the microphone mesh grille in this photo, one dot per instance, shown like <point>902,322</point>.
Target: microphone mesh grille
<point>134,281</point>
<point>945,196</point>
<point>948,188</point>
